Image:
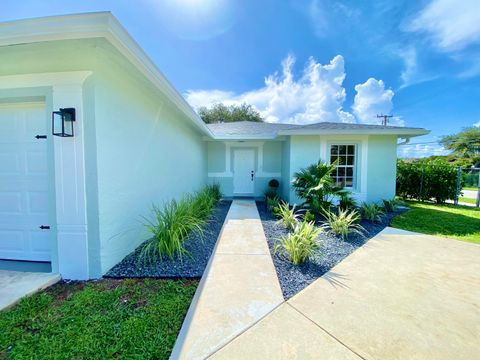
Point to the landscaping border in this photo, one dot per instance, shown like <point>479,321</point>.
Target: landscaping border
<point>200,249</point>
<point>294,278</point>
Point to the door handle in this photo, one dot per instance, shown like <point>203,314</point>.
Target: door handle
<point>44,227</point>
<point>252,174</point>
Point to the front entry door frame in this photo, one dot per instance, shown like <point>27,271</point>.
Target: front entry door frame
<point>244,171</point>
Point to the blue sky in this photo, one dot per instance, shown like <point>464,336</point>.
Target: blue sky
<point>310,60</point>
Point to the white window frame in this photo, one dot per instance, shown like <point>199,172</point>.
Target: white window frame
<point>345,166</point>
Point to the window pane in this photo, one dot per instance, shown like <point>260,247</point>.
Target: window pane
<point>342,149</point>
<point>350,160</point>
<point>342,160</point>
<point>349,172</point>
<point>351,149</point>
<point>333,158</point>
<point>349,182</point>
<point>341,171</point>
<point>334,150</point>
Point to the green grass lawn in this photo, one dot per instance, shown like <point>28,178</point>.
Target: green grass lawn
<point>458,222</point>
<point>470,188</point>
<point>467,200</point>
<point>125,319</point>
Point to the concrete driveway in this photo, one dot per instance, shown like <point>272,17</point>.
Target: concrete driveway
<point>401,296</point>
<point>15,285</point>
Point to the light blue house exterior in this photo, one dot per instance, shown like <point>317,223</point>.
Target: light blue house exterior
<point>277,151</point>
<point>77,202</point>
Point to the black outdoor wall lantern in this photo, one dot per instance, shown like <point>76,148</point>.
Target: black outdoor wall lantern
<point>62,122</point>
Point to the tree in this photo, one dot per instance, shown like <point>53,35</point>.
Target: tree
<point>465,144</point>
<point>223,113</point>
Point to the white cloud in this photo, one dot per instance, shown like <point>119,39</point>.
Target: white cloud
<point>420,150</point>
<point>318,95</point>
<point>409,57</point>
<point>453,25</point>
<point>477,124</point>
<point>373,99</point>
<point>322,15</point>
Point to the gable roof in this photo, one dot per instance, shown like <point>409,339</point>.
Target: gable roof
<point>258,130</point>
<point>96,25</point>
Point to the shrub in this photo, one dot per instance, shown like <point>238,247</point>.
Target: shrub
<point>270,193</point>
<point>371,212</point>
<point>170,227</point>
<point>390,205</point>
<point>288,216</point>
<point>427,179</point>
<point>176,220</point>
<point>272,203</point>
<point>214,191</point>
<point>301,244</point>
<point>346,202</point>
<point>308,217</point>
<point>343,223</point>
<point>315,185</point>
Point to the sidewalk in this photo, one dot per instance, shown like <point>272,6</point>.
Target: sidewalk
<point>238,289</point>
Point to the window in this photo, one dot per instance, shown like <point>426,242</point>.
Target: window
<point>344,174</point>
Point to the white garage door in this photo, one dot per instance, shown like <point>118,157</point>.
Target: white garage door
<point>23,183</point>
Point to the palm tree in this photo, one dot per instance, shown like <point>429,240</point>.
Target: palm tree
<point>315,185</point>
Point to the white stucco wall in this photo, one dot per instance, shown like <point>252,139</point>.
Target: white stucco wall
<point>147,153</point>
<point>375,162</point>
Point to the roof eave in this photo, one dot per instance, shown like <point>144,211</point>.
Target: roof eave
<point>94,25</point>
<point>399,132</point>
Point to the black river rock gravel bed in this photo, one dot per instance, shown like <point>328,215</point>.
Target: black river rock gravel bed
<point>333,249</point>
<point>200,249</point>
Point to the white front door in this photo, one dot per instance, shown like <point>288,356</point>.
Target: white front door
<point>23,183</point>
<point>243,171</point>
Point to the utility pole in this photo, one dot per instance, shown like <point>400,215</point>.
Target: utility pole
<point>384,119</point>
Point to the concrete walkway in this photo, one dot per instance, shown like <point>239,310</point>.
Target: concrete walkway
<point>402,295</point>
<point>15,285</point>
<point>238,288</point>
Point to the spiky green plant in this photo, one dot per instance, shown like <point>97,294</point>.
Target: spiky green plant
<point>371,212</point>
<point>343,223</point>
<point>272,203</point>
<point>288,216</point>
<point>301,244</point>
<point>308,216</point>
<point>315,185</point>
<point>346,201</point>
<point>170,227</point>
<point>390,205</point>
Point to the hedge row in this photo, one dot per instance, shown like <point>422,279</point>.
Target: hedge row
<point>427,179</point>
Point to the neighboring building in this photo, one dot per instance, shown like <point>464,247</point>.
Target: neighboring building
<point>136,142</point>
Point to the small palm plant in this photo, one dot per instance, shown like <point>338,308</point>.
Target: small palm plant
<point>288,216</point>
<point>343,223</point>
<point>301,244</point>
<point>371,212</point>
<point>315,185</point>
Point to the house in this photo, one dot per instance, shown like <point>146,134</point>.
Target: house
<point>92,134</point>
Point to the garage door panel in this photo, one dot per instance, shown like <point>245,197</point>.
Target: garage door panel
<point>24,200</point>
<point>12,240</point>
<point>10,203</point>
<point>36,162</point>
<point>37,203</point>
<point>11,162</point>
